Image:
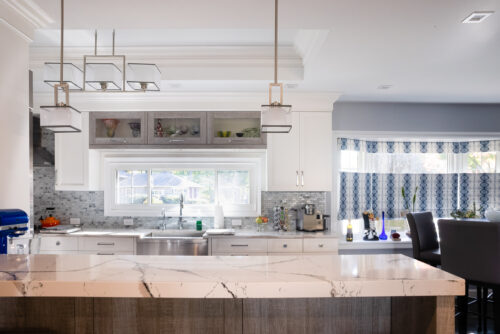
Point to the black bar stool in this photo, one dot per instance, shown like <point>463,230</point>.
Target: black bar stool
<point>471,250</point>
<point>424,238</point>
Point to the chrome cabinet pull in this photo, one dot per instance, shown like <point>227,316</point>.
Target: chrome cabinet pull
<point>302,173</point>
<point>285,245</point>
<point>238,245</point>
<point>297,178</point>
<point>58,243</point>
<point>320,245</point>
<point>105,244</point>
<point>176,140</point>
<point>105,253</point>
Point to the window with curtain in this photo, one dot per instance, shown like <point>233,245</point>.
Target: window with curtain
<point>447,175</point>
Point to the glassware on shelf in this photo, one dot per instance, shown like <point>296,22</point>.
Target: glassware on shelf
<point>110,124</point>
<point>383,236</point>
<point>136,128</point>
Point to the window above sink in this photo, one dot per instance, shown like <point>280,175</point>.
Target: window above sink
<point>138,185</point>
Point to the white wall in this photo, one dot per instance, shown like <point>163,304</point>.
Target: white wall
<point>14,119</point>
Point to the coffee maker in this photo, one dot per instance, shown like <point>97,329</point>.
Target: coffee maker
<point>310,220</point>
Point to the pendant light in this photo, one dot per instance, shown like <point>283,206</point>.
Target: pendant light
<point>276,117</point>
<point>61,117</point>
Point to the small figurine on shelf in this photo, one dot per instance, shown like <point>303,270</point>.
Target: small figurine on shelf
<point>370,233</point>
<point>159,129</point>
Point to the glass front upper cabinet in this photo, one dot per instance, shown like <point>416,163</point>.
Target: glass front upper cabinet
<point>235,128</point>
<point>117,128</point>
<point>177,128</point>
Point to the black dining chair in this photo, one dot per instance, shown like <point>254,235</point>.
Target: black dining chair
<point>471,250</point>
<point>424,238</point>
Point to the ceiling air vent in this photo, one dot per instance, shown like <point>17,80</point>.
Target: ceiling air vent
<point>477,17</point>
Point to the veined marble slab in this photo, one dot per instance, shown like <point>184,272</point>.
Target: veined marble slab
<point>223,277</point>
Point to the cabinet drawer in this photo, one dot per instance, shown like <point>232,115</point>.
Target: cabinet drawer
<point>103,252</point>
<point>58,244</point>
<point>240,254</point>
<point>327,245</point>
<point>284,245</point>
<point>106,244</point>
<point>239,245</point>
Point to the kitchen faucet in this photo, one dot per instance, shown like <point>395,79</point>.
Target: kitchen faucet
<point>163,225</point>
<point>181,206</point>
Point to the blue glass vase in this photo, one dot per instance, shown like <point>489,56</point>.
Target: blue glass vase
<point>382,235</point>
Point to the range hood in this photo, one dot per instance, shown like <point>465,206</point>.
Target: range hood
<point>41,156</point>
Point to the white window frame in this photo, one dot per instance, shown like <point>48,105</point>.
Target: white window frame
<point>254,162</point>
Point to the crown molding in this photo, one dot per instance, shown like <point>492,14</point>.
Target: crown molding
<point>30,12</point>
<point>173,55</point>
<point>309,42</point>
<point>190,101</point>
<point>15,30</point>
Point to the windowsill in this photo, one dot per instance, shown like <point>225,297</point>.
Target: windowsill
<point>359,243</point>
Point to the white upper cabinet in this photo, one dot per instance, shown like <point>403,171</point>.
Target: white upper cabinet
<point>301,160</point>
<point>76,167</point>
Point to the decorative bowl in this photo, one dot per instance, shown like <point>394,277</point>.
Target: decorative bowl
<point>110,124</point>
<point>492,215</point>
<point>239,134</point>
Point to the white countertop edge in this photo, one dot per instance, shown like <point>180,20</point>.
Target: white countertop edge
<point>202,290</point>
<point>388,244</point>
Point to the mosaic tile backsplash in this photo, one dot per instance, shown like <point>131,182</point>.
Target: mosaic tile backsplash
<point>89,205</point>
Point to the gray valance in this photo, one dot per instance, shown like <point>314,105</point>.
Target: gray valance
<point>369,146</point>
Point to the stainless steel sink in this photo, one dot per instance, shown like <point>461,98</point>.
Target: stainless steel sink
<point>173,242</point>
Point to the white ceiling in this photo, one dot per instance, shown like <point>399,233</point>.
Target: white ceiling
<point>421,48</point>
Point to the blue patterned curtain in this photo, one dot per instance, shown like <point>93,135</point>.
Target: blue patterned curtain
<point>439,193</point>
<point>367,146</point>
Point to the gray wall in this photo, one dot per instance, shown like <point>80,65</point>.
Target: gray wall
<point>416,117</point>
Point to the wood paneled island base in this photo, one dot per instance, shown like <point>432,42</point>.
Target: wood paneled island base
<point>288,315</point>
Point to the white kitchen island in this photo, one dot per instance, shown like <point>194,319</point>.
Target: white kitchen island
<point>288,294</point>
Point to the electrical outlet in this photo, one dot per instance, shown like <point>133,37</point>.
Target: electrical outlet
<point>74,221</point>
<point>128,221</point>
<point>236,222</point>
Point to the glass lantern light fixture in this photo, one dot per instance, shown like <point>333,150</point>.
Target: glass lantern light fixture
<point>145,77</point>
<point>61,117</point>
<point>276,117</point>
<point>100,72</point>
<point>73,76</point>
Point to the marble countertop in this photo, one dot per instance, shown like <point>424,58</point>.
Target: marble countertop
<point>277,234</point>
<point>223,277</point>
<point>139,233</point>
<point>359,243</point>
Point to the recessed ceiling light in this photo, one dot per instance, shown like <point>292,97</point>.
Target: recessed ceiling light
<point>175,85</point>
<point>477,17</point>
<point>291,85</point>
<point>384,87</point>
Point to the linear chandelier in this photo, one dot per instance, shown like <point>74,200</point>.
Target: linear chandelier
<point>276,117</point>
<point>106,73</point>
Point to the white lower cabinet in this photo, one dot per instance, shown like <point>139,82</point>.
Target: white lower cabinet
<point>284,246</point>
<point>229,246</point>
<point>320,245</point>
<point>87,245</point>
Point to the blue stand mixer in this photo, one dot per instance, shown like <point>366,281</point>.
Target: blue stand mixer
<point>13,223</point>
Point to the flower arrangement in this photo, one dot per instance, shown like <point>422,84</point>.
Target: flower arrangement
<point>406,201</point>
<point>466,214</point>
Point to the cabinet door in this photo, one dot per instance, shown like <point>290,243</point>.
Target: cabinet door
<point>230,128</point>
<point>283,162</point>
<point>177,128</point>
<point>316,151</point>
<point>117,128</point>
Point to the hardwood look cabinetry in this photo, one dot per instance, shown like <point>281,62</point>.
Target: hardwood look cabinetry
<point>301,160</point>
<point>241,128</point>
<point>117,128</point>
<point>177,128</point>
